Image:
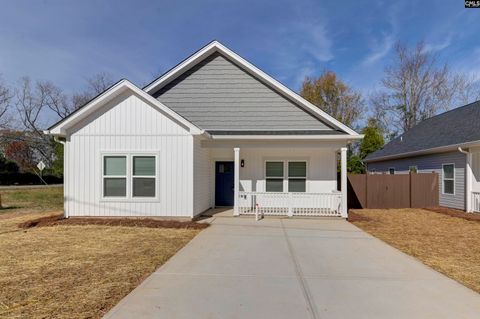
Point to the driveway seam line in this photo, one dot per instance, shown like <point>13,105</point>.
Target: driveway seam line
<point>298,270</point>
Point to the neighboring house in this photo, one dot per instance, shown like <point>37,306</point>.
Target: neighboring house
<point>212,131</point>
<point>448,144</point>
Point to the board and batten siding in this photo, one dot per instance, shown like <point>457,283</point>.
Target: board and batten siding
<point>432,163</point>
<point>216,94</point>
<point>321,166</point>
<point>202,177</point>
<point>129,125</point>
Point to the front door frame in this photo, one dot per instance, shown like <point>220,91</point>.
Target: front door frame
<point>215,179</point>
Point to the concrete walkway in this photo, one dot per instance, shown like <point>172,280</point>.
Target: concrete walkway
<point>294,268</point>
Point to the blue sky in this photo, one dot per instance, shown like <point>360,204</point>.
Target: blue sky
<point>69,41</point>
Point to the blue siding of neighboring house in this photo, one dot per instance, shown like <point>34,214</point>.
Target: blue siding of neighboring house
<point>429,163</point>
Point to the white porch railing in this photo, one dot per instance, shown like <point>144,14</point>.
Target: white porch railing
<point>290,204</point>
<point>476,202</point>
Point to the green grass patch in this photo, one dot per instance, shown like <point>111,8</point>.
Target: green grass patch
<point>38,199</point>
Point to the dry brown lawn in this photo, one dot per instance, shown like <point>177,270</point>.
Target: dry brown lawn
<point>450,245</point>
<point>70,271</point>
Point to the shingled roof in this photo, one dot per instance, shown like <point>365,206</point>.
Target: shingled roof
<point>454,127</point>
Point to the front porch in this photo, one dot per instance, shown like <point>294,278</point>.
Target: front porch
<point>278,178</point>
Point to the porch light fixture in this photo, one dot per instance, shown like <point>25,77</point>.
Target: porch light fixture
<point>242,163</point>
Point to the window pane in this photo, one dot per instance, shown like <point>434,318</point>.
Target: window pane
<point>297,185</point>
<point>144,165</point>
<point>447,171</point>
<point>115,165</point>
<point>297,169</point>
<point>391,171</point>
<point>144,187</point>
<point>115,187</point>
<point>274,185</point>
<point>274,169</point>
<point>448,186</point>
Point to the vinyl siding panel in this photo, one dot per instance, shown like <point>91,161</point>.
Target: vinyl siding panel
<point>218,95</point>
<point>129,125</point>
<point>429,163</point>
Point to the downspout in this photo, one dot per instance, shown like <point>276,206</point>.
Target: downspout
<point>56,139</point>
<point>468,179</point>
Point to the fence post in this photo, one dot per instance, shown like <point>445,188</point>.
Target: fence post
<point>410,189</point>
<point>290,208</point>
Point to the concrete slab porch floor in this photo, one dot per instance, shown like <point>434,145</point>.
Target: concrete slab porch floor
<point>294,268</point>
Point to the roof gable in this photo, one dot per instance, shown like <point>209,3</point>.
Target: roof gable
<point>216,94</point>
<point>215,46</point>
<point>449,129</point>
<point>60,128</point>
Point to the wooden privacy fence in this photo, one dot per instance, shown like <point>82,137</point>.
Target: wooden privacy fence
<point>414,190</point>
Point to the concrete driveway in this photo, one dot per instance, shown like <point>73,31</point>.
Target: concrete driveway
<point>294,268</point>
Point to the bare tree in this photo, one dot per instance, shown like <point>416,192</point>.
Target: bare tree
<point>63,105</point>
<point>95,85</point>
<point>31,101</point>
<point>5,99</point>
<point>334,97</point>
<point>416,87</point>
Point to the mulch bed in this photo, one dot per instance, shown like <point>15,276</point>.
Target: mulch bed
<point>58,220</point>
<point>455,213</point>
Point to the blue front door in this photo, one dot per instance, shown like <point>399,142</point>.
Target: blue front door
<point>224,183</point>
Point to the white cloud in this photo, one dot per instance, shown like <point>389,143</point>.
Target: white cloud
<point>379,49</point>
<point>438,46</point>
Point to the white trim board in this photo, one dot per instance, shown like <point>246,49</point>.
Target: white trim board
<point>216,46</point>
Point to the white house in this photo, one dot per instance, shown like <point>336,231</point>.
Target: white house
<point>213,131</point>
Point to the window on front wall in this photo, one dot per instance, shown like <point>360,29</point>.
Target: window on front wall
<point>129,176</point>
<point>274,175</point>
<point>448,171</point>
<point>297,176</point>
<point>115,176</point>
<point>143,176</point>
<point>391,171</point>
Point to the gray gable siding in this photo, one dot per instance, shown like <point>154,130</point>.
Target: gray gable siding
<point>429,163</point>
<point>218,95</point>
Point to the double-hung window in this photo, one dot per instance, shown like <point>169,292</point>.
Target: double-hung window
<point>283,176</point>
<point>115,176</point>
<point>274,175</point>
<point>129,176</point>
<point>448,178</point>
<point>143,176</point>
<point>297,176</point>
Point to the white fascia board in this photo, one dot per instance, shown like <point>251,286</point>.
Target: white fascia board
<point>440,149</point>
<point>217,46</point>
<point>105,97</point>
<point>288,137</point>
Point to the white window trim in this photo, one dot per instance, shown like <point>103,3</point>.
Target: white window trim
<point>129,197</point>
<point>285,173</point>
<point>391,168</point>
<point>450,179</point>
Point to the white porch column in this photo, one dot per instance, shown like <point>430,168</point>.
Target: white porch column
<point>236,180</point>
<point>468,183</point>
<point>343,170</point>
